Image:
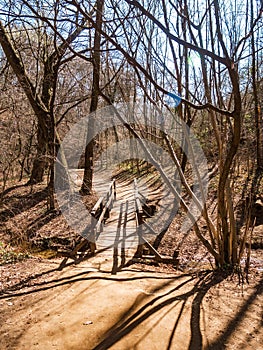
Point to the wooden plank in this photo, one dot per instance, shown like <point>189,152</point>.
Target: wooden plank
<point>151,248</point>
<point>101,217</point>
<point>109,198</point>
<point>114,189</point>
<point>111,190</point>
<point>150,228</point>
<point>72,254</point>
<point>168,260</point>
<point>139,219</point>
<point>97,206</point>
<point>138,206</point>
<point>164,260</point>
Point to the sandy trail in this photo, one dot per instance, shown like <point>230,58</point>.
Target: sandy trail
<point>87,307</point>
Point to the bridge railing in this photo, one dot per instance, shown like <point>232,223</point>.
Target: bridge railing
<point>138,218</point>
<point>140,213</point>
<point>138,205</point>
<point>101,210</point>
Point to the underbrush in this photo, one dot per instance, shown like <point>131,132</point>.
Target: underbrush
<point>10,255</point>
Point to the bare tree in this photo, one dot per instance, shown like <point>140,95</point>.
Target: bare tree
<point>41,93</point>
<point>88,172</point>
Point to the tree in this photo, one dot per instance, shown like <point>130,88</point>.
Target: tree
<point>41,93</point>
<point>88,172</point>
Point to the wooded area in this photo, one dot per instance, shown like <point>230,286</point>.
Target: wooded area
<point>62,60</point>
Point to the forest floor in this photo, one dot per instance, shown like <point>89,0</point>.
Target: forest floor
<point>93,305</point>
<point>85,306</point>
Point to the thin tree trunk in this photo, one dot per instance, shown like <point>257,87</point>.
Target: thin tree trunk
<point>86,187</point>
<point>40,161</point>
<point>257,109</point>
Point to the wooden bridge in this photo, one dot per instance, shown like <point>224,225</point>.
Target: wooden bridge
<point>119,222</point>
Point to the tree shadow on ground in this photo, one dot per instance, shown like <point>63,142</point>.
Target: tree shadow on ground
<point>23,214</point>
<point>10,189</point>
<point>38,286</point>
<point>34,286</point>
<point>41,221</point>
<point>220,342</point>
<point>17,203</point>
<point>131,320</point>
<point>145,307</point>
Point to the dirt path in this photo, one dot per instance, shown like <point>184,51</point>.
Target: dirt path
<point>86,307</point>
<point>102,303</point>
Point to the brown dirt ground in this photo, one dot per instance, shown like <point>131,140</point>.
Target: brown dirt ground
<point>85,306</point>
<point>141,306</point>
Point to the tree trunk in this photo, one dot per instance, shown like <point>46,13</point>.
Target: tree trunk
<point>257,107</point>
<point>86,187</point>
<point>40,161</point>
